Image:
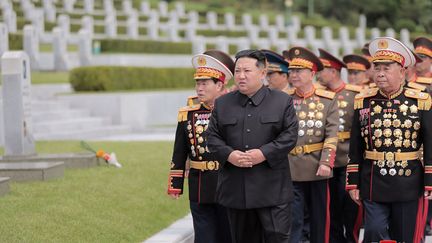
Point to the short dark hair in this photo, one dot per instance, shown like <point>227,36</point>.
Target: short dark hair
<point>255,54</point>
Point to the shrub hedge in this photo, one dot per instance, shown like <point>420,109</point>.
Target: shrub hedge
<point>115,78</point>
<point>140,46</point>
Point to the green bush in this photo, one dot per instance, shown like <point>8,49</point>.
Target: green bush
<point>405,23</point>
<point>140,46</point>
<point>113,78</point>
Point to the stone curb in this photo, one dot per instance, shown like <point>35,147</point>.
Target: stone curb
<point>180,231</point>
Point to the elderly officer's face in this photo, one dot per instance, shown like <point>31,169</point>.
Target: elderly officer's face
<point>301,77</point>
<point>277,80</point>
<point>247,76</point>
<point>388,76</point>
<point>207,90</point>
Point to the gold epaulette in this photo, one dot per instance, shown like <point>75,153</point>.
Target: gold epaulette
<point>353,87</point>
<point>192,100</point>
<point>365,93</point>
<point>289,91</point>
<point>424,80</point>
<point>372,85</point>
<point>319,86</point>
<point>416,86</point>
<point>325,93</point>
<point>423,99</point>
<point>182,114</point>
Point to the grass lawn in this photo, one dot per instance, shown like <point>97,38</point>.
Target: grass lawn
<point>101,204</point>
<point>49,77</point>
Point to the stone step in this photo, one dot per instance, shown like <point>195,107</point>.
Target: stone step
<point>42,116</point>
<point>32,171</point>
<point>49,105</point>
<point>4,186</point>
<point>85,133</point>
<point>70,124</point>
<point>71,160</point>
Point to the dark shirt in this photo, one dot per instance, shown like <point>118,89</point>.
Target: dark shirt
<point>266,121</point>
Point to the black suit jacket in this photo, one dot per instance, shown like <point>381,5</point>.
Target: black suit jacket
<point>266,121</point>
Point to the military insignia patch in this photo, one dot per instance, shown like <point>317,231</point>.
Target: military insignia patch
<point>382,44</point>
<point>201,61</point>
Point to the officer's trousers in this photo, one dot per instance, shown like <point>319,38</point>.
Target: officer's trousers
<point>210,223</point>
<point>315,196</point>
<point>343,210</point>
<point>261,225</point>
<point>392,221</point>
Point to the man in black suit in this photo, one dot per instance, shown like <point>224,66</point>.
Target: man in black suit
<point>251,131</point>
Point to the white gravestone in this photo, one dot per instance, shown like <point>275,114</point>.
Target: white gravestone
<point>38,21</point>
<point>327,36</point>
<point>10,20</point>
<point>68,5</point>
<point>295,22</point>
<point>132,25</point>
<point>243,44</point>
<point>145,8</point>
<point>190,31</point>
<point>360,36</point>
<point>390,32</point>
<point>273,35</point>
<point>31,45</point>
<point>362,21</point>
<point>127,6</point>
<point>253,34</point>
<point>193,17</point>
<point>229,21</point>
<point>17,118</point>
<point>222,44</point>
<point>87,24</point>
<point>89,6</point>
<point>198,45</point>
<point>280,22</point>
<point>4,39</point>
<point>405,37</point>
<point>247,20</point>
<point>281,46</point>
<point>212,20</point>
<point>310,34</point>
<point>163,8</point>
<point>263,21</point>
<point>50,10</point>
<point>180,9</point>
<point>60,50</point>
<point>173,32</point>
<point>84,47</point>
<point>291,34</point>
<point>375,33</point>
<point>111,26</point>
<point>64,23</point>
<point>153,26</point>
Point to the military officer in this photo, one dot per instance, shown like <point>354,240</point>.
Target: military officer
<point>423,48</point>
<point>357,67</point>
<point>389,126</point>
<point>213,70</point>
<point>312,160</point>
<point>367,55</point>
<point>251,132</point>
<point>343,210</point>
<point>277,70</point>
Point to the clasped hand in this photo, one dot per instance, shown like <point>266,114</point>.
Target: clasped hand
<point>246,159</point>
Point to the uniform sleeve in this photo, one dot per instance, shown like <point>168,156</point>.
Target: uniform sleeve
<point>426,131</point>
<point>180,154</point>
<point>355,154</point>
<point>328,153</point>
<point>286,140</point>
<point>216,141</point>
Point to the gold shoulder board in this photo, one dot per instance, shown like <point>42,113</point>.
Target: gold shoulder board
<point>424,80</point>
<point>289,91</point>
<point>319,86</point>
<point>325,93</point>
<point>192,100</point>
<point>416,86</point>
<point>365,93</point>
<point>183,112</point>
<point>353,87</point>
<point>423,99</point>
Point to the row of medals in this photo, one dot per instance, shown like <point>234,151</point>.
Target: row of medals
<point>315,115</point>
<point>383,128</point>
<point>200,125</point>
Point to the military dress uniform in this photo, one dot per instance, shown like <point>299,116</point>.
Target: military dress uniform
<point>209,218</point>
<point>423,47</point>
<point>318,117</point>
<point>386,135</point>
<point>358,63</point>
<point>343,210</point>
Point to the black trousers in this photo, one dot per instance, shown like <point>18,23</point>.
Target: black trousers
<point>261,225</point>
<point>210,222</point>
<point>315,196</point>
<point>391,221</point>
<point>343,210</point>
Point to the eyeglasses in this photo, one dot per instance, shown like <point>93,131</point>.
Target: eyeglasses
<point>255,54</point>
